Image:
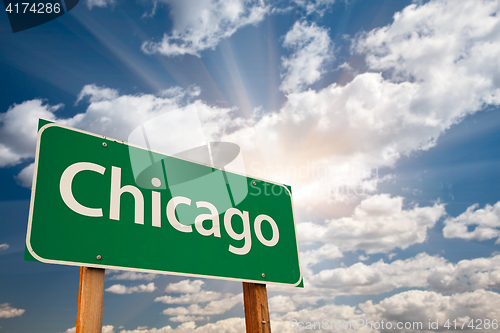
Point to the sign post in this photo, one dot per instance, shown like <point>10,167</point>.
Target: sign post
<point>101,203</point>
<point>256,308</point>
<point>90,300</point>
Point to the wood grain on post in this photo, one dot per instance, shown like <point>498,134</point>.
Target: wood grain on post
<point>90,298</point>
<point>256,308</point>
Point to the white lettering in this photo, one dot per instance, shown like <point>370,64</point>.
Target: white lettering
<point>67,194</point>
<point>172,204</point>
<point>245,234</point>
<point>213,216</point>
<point>258,231</point>
<point>156,209</point>
<point>116,191</point>
<point>115,198</point>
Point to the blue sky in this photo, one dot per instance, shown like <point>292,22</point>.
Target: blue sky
<point>389,108</point>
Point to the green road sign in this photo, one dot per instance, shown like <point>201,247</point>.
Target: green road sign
<point>100,202</point>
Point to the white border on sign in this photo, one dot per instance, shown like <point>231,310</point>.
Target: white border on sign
<point>70,263</point>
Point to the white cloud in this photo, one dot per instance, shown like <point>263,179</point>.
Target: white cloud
<point>370,122</point>
<point>466,275</point>
<point>315,6</point>
<point>412,306</point>
<point>378,277</point>
<point>105,329</point>
<point>193,295</point>
<point>121,289</point>
<point>213,308</point>
<point>185,287</point>
<point>25,177</point>
<point>116,116</point>
<point>152,13</point>
<point>424,83</point>
<point>421,271</point>
<point>186,327</point>
<point>337,313</point>
<point>132,276</point>
<point>98,94</point>
<point>198,297</point>
<point>4,246</point>
<point>449,51</point>
<point>435,64</point>
<point>486,221</point>
<point>99,3</point>
<point>420,306</point>
<point>18,130</point>
<point>200,25</point>
<point>312,257</point>
<point>311,47</point>
<point>230,325</point>
<point>108,114</point>
<point>183,318</point>
<point>378,224</point>
<point>178,92</point>
<point>438,42</point>
<point>6,311</point>
<point>281,303</point>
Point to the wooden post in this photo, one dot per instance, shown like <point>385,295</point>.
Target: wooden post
<point>90,298</point>
<point>256,309</point>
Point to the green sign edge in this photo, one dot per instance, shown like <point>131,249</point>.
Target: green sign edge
<point>30,254</point>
